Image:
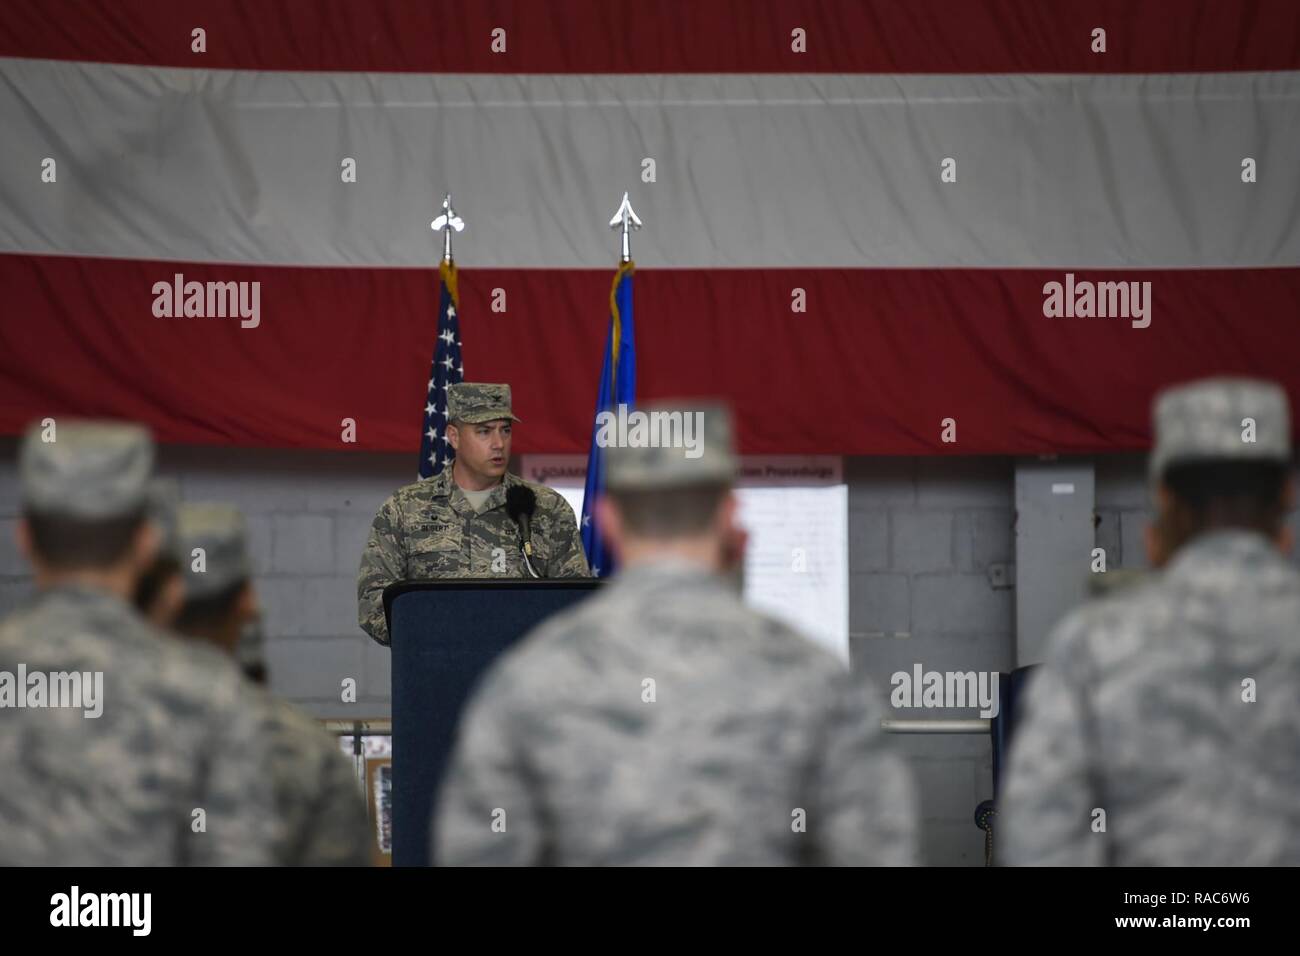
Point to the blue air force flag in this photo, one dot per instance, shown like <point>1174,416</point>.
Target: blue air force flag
<point>617,387</point>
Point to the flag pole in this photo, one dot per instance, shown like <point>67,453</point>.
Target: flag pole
<point>448,367</point>
<point>615,389</point>
<point>627,219</point>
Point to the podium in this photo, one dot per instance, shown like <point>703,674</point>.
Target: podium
<point>444,635</point>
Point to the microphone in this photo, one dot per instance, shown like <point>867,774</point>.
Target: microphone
<point>521,502</point>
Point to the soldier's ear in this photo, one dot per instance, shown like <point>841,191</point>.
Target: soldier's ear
<point>610,520</point>
<point>144,547</point>
<point>726,517</point>
<point>453,434</point>
<point>23,539</point>
<point>246,604</point>
<point>168,605</point>
<point>1285,537</point>
<point>1151,541</point>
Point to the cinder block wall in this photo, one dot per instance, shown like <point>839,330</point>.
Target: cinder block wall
<point>923,533</point>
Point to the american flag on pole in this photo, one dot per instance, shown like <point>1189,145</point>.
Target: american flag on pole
<point>435,451</point>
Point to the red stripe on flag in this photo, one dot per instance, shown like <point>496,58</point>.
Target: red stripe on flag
<point>670,36</point>
<point>878,361</point>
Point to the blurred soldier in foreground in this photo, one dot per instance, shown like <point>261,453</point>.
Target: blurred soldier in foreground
<point>663,722</point>
<point>321,808</point>
<point>1163,729</point>
<point>120,746</point>
<point>462,523</point>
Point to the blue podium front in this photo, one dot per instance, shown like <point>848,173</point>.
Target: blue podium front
<point>445,634</point>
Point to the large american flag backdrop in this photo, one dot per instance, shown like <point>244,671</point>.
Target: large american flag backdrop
<point>852,211</point>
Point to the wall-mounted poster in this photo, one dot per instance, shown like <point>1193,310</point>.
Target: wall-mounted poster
<point>796,509</point>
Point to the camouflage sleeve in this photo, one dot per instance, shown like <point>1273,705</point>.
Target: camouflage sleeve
<point>339,831</point>
<point>382,563</point>
<point>1045,808</point>
<point>567,559</point>
<point>239,824</point>
<point>864,809</point>
<point>487,814</point>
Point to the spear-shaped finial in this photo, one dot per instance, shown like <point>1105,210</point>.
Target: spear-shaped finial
<point>447,219</point>
<point>626,218</point>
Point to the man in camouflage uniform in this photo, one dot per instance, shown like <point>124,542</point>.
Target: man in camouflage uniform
<point>170,771</point>
<point>663,722</point>
<point>1164,729</point>
<point>455,525</point>
<point>321,809</point>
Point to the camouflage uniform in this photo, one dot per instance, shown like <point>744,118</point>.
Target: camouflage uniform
<point>320,806</point>
<point>317,791</point>
<point>759,748</point>
<point>1139,710</point>
<point>175,734</point>
<point>429,529</point>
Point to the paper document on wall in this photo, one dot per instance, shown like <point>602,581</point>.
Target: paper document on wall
<point>795,508</point>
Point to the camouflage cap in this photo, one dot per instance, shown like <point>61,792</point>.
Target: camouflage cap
<point>85,469</point>
<point>163,497</point>
<point>667,445</point>
<point>1237,419</point>
<point>475,402</point>
<point>219,531</point>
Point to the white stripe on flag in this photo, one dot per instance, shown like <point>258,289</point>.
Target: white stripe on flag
<point>751,170</point>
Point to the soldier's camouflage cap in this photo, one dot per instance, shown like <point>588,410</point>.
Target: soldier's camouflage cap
<point>219,530</point>
<point>1206,420</point>
<point>675,445</point>
<point>93,470</point>
<point>475,402</point>
<point>163,498</point>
